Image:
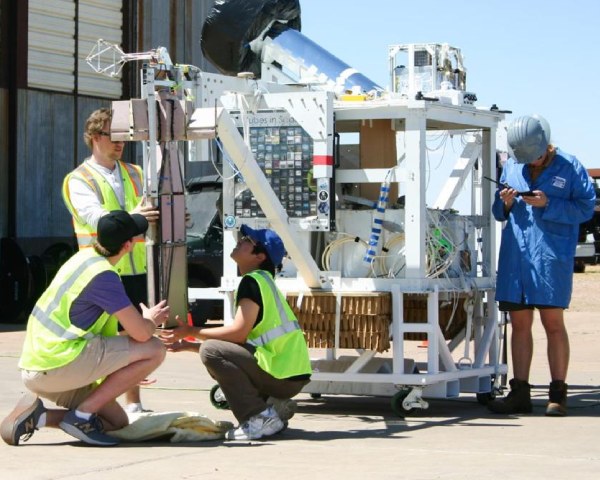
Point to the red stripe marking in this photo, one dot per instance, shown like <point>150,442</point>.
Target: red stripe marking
<point>326,160</point>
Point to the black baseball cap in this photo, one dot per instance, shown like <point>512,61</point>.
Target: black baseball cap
<point>118,226</point>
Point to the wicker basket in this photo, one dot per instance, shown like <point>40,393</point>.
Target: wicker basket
<point>365,318</point>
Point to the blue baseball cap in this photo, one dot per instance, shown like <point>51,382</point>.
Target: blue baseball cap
<point>269,240</point>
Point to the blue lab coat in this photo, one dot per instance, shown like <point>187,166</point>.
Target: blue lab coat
<point>537,249</point>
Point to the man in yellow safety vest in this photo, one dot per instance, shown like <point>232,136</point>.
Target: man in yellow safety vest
<point>260,360</point>
<point>72,354</point>
<point>102,183</point>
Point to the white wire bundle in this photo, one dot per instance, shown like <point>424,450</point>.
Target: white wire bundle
<point>393,261</point>
<point>441,248</point>
<point>335,248</point>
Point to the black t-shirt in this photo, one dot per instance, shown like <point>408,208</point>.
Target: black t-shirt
<point>249,289</point>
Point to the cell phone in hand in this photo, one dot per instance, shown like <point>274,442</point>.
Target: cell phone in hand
<point>528,193</point>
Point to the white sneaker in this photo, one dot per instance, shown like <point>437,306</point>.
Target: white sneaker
<point>135,408</point>
<point>285,407</point>
<point>264,424</point>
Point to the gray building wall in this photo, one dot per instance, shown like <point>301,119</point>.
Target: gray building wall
<point>49,144</point>
<point>49,140</point>
<point>41,131</point>
<point>45,149</point>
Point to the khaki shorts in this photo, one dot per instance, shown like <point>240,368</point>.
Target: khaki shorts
<point>69,385</point>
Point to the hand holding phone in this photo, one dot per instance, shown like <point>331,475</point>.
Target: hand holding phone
<point>528,193</point>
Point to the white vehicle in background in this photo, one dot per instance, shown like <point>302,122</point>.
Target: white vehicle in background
<point>585,253</point>
<point>588,247</point>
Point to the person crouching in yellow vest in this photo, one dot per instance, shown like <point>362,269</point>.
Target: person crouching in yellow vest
<point>72,354</point>
<point>102,183</point>
<point>262,354</point>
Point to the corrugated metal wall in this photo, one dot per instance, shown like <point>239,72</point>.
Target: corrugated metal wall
<point>50,115</point>
<point>47,90</point>
<point>45,146</point>
<point>52,48</point>
<point>50,63</point>
<point>49,134</point>
<point>98,19</point>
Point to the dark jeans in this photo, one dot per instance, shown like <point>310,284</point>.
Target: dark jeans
<point>245,385</point>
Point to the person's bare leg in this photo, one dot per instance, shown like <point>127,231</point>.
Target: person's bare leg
<point>558,342</point>
<point>54,417</point>
<point>113,416</point>
<point>521,343</point>
<point>144,358</point>
<point>133,395</point>
<point>518,399</point>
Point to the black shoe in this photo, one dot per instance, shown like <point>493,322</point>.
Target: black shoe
<point>518,399</point>
<point>21,423</point>
<point>557,406</point>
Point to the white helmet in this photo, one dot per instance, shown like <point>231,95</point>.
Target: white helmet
<point>528,138</point>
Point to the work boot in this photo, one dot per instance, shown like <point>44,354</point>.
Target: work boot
<point>518,399</point>
<point>557,406</point>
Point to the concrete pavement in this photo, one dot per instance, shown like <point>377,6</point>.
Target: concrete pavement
<point>337,436</point>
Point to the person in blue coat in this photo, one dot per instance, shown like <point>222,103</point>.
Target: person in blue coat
<point>546,194</point>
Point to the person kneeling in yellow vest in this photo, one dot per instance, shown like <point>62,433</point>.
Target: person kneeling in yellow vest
<point>260,360</point>
<point>72,354</point>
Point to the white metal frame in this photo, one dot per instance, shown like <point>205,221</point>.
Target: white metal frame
<point>443,375</point>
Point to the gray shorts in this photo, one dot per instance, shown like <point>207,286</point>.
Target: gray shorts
<point>69,385</point>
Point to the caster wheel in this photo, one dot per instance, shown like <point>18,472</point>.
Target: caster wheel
<point>485,398</point>
<point>397,400</point>
<point>217,398</point>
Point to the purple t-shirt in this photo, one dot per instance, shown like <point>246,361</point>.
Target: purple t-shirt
<point>105,293</point>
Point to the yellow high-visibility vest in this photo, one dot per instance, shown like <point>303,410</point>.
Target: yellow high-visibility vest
<point>281,349</point>
<point>51,340</point>
<point>134,263</point>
